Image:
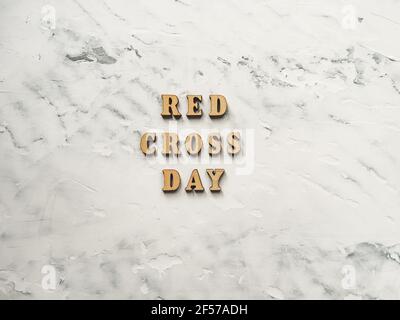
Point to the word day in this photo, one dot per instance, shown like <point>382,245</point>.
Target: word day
<point>193,142</point>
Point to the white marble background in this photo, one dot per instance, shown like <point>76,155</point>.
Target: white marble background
<point>318,81</point>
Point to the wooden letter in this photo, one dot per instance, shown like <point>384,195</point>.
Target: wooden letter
<point>194,182</point>
<point>170,144</point>
<point>172,180</point>
<point>218,106</point>
<point>233,143</point>
<point>145,141</point>
<point>170,106</point>
<point>214,144</point>
<point>193,143</point>
<point>194,110</point>
<point>215,175</point>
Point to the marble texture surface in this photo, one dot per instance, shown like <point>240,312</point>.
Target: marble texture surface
<point>317,217</point>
